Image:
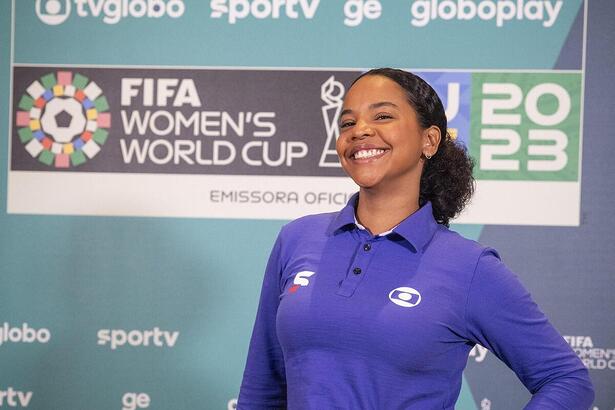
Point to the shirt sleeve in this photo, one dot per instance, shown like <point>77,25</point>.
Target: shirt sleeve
<point>501,316</point>
<point>264,379</point>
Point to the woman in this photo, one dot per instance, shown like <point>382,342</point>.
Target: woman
<point>377,306</point>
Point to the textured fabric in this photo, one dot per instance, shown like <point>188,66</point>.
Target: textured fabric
<point>335,331</point>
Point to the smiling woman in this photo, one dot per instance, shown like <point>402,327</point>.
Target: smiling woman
<point>403,114</point>
<point>377,306</point>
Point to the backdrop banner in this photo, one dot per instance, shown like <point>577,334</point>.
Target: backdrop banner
<point>154,148</point>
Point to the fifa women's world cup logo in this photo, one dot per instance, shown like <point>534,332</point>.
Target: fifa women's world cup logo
<point>63,119</point>
<point>332,93</point>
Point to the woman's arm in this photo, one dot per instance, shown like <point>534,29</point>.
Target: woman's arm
<point>264,378</point>
<point>501,316</point>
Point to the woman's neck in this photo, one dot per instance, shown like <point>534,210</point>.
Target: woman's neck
<point>381,211</point>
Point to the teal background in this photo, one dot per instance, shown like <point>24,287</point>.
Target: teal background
<point>196,39</point>
<point>75,275</point>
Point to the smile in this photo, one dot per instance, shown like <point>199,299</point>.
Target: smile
<point>368,153</point>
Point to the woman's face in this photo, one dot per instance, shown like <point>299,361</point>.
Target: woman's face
<point>381,140</point>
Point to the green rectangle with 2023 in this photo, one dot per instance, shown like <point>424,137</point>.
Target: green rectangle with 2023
<point>526,126</point>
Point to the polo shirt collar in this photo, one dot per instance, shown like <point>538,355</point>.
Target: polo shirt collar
<point>345,217</point>
<point>418,228</point>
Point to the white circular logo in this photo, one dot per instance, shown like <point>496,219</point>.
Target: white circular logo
<point>405,297</point>
<point>51,11</point>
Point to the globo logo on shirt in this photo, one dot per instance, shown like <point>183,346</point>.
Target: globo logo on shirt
<point>405,297</point>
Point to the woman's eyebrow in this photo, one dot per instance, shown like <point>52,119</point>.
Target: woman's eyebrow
<point>346,111</point>
<point>382,104</point>
<point>372,107</point>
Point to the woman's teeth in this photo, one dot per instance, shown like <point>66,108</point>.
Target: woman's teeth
<point>368,153</point>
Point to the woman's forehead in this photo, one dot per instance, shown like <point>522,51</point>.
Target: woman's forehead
<point>373,89</point>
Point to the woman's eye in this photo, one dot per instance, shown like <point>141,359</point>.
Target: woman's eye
<point>383,116</point>
<point>346,124</point>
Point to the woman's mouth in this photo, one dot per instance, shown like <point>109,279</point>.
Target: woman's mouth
<point>368,153</point>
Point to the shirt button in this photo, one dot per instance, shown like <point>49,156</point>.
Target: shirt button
<point>357,271</point>
<point>367,247</point>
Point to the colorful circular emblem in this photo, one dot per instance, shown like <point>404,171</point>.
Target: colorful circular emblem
<point>63,119</point>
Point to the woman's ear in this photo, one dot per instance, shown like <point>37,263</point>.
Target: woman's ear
<point>431,141</point>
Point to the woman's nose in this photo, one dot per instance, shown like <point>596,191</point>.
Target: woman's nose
<point>362,130</point>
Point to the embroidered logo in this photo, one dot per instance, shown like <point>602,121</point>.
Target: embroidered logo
<point>405,297</point>
<point>301,279</point>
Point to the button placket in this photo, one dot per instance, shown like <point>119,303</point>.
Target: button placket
<point>357,269</point>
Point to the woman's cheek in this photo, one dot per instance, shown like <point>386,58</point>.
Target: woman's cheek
<point>339,148</point>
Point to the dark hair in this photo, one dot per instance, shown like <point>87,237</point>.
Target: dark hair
<point>447,180</point>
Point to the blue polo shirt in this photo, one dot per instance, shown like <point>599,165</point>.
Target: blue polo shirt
<point>348,320</point>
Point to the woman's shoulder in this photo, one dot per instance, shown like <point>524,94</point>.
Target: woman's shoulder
<point>449,245</point>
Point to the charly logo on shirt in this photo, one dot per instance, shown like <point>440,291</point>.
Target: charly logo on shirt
<point>301,279</point>
<point>405,297</point>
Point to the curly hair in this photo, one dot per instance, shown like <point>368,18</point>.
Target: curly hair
<point>446,179</point>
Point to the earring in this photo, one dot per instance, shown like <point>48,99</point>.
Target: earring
<point>428,156</point>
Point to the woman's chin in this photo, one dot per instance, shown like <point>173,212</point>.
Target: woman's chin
<point>367,183</point>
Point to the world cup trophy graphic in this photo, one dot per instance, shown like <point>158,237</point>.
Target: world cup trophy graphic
<point>332,94</point>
